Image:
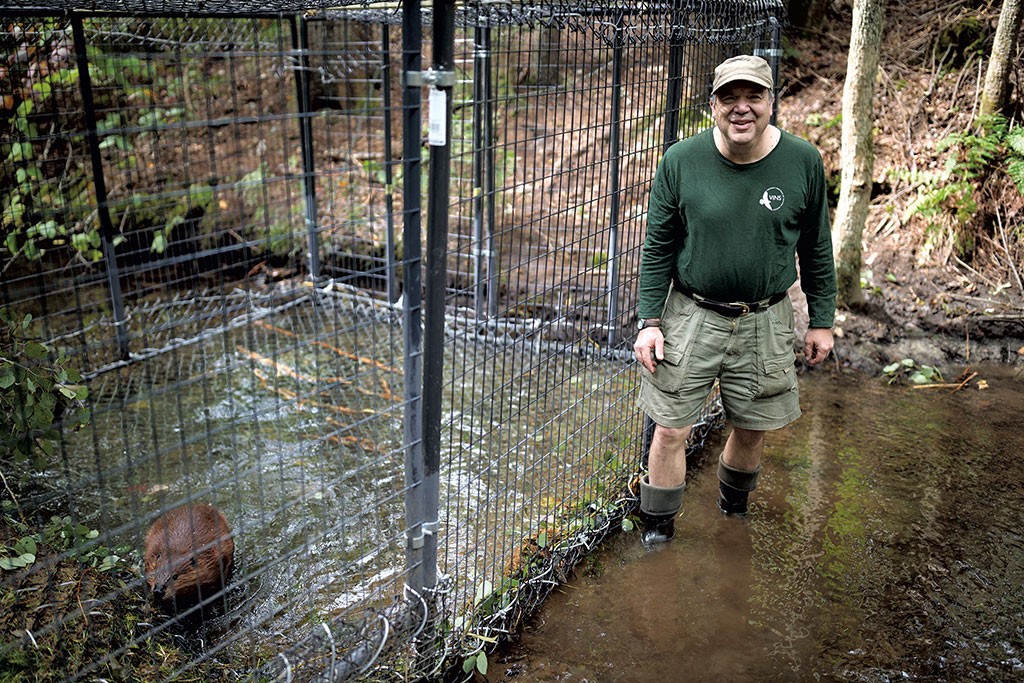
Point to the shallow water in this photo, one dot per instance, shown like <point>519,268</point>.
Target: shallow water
<point>884,543</point>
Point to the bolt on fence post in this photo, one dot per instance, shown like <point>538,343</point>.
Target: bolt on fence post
<point>99,183</point>
<point>300,45</point>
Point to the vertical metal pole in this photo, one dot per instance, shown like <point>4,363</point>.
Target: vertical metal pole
<point>300,44</point>
<point>480,67</point>
<point>772,54</point>
<point>616,152</point>
<point>437,266</point>
<point>483,130</point>
<point>674,88</point>
<point>107,232</point>
<point>412,38</point>
<point>389,204</point>
<point>492,254</point>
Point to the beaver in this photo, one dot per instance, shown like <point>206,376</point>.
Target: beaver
<point>189,554</point>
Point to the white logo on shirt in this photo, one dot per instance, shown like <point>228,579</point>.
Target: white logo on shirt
<point>773,199</point>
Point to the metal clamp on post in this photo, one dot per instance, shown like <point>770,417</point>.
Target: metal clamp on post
<point>768,53</point>
<point>426,529</point>
<point>433,77</point>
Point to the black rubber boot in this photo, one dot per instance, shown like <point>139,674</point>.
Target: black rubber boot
<point>658,529</point>
<point>734,487</point>
<point>732,501</point>
<point>658,507</point>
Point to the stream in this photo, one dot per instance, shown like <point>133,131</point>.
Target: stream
<point>884,543</point>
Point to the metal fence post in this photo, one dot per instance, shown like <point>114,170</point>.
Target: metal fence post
<point>437,270</point>
<point>107,232</point>
<point>772,54</point>
<point>615,143</point>
<point>300,43</point>
<point>412,38</point>
<point>483,175</point>
<point>674,89</point>
<point>389,247</point>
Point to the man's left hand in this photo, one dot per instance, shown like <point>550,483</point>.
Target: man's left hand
<point>817,344</point>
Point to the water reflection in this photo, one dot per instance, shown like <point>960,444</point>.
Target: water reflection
<point>884,544</point>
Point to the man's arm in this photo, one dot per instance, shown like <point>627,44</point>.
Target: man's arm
<point>661,243</point>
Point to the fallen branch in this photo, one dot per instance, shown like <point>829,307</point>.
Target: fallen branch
<point>954,386</point>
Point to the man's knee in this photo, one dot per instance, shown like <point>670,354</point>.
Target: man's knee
<point>671,436</point>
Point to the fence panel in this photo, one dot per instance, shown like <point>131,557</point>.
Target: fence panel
<point>205,224</point>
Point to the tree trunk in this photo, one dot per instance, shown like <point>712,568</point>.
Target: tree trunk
<point>1004,49</point>
<point>858,155</point>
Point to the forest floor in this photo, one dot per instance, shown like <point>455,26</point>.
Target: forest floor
<point>927,298</point>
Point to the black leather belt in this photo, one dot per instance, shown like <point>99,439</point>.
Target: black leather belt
<point>733,309</point>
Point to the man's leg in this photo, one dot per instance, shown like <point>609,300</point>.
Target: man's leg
<point>661,491</point>
<point>738,469</point>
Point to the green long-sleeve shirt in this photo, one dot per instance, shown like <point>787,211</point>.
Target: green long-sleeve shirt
<point>733,232</point>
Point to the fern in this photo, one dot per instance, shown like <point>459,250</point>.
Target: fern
<point>1015,157</point>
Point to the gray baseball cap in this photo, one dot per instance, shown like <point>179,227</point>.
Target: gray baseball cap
<point>743,68</point>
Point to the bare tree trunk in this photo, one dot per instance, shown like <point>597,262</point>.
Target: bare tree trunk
<point>1004,49</point>
<point>858,155</point>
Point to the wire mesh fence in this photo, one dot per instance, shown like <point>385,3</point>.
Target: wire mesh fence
<point>211,295</point>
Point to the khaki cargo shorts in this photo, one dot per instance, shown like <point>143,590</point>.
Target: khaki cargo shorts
<point>752,357</point>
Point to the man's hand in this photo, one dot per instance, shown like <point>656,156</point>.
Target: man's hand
<point>649,347</point>
<point>817,344</point>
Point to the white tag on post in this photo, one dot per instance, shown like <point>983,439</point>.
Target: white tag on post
<point>437,112</point>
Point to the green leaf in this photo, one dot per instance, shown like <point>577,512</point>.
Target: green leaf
<point>109,562</point>
<point>35,350</point>
<point>467,665</point>
<point>159,243</point>
<point>542,539</point>
<point>481,663</point>
<point>26,546</point>
<point>19,562</point>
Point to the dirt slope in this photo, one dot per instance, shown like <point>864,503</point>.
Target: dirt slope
<point>927,299</point>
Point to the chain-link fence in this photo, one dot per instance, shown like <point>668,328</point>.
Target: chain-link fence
<point>215,292</point>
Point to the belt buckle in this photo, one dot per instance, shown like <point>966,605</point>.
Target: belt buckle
<point>744,308</point>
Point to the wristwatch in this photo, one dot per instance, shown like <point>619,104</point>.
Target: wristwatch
<point>644,323</point>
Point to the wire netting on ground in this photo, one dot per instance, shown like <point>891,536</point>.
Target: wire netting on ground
<point>209,286</point>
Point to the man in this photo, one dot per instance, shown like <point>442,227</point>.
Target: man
<point>730,210</point>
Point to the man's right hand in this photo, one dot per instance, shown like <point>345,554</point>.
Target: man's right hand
<point>649,347</point>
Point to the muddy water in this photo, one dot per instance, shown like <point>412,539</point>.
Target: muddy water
<point>885,543</point>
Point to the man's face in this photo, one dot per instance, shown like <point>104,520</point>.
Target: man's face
<point>742,112</point>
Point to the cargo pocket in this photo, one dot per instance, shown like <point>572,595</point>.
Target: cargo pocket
<point>679,328</point>
<point>778,375</point>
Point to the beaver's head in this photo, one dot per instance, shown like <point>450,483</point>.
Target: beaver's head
<point>189,554</point>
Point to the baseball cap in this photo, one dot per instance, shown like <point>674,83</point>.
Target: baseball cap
<point>743,68</point>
